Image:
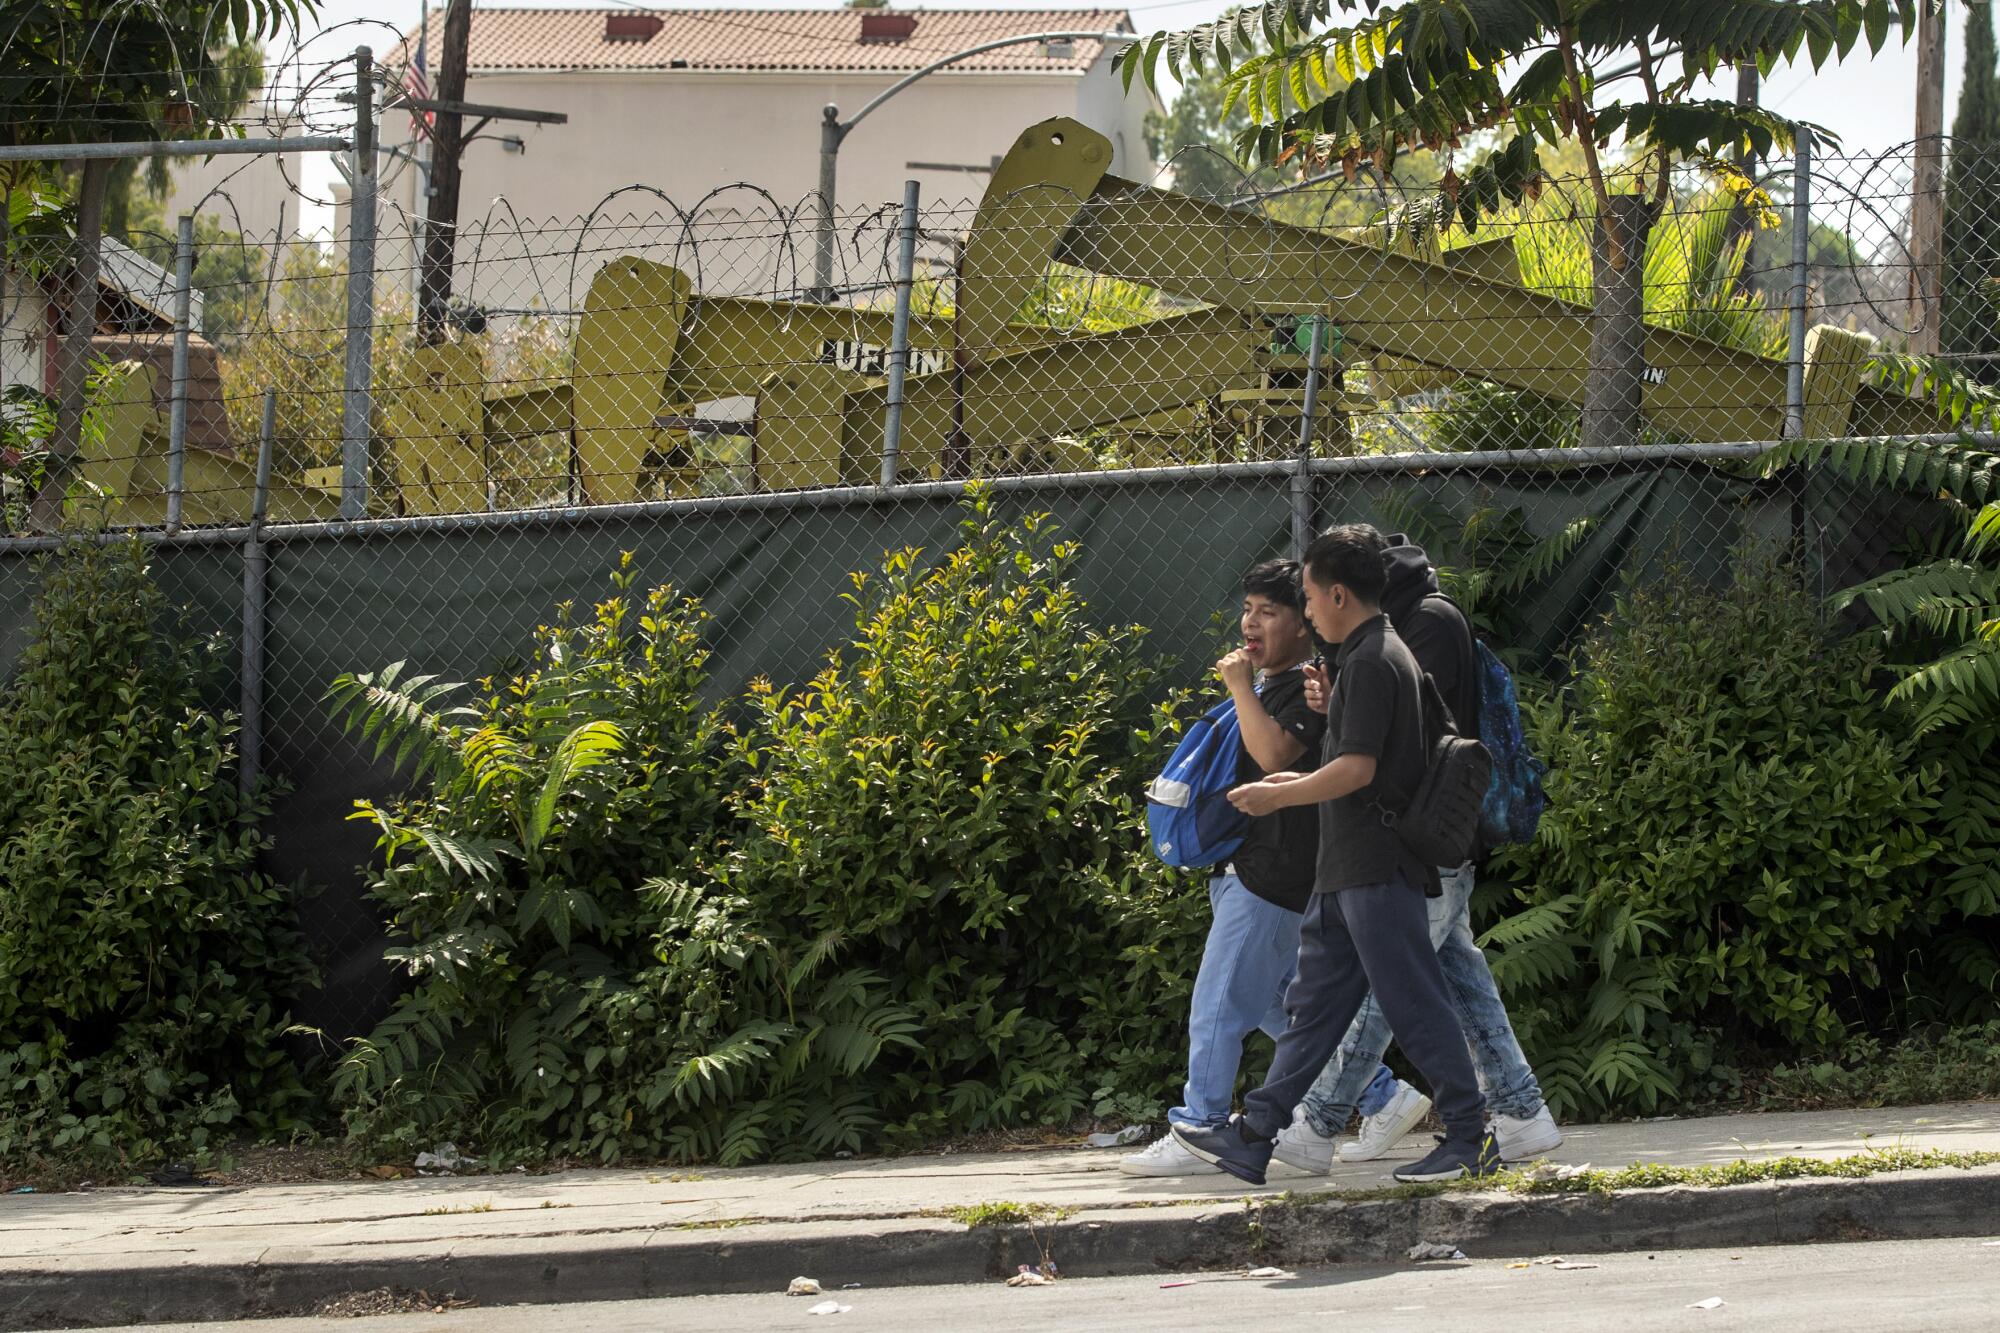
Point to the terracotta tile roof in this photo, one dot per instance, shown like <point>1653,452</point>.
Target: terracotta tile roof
<point>821,40</point>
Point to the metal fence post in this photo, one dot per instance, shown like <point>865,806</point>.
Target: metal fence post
<point>250,736</point>
<point>177,411</point>
<point>358,398</point>
<point>1795,341</point>
<point>899,337</point>
<point>1302,482</point>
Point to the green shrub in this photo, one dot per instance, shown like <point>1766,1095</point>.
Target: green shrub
<point>940,868</point>
<point>515,882</point>
<point>1951,1065</point>
<point>909,899</point>
<point>1736,836</point>
<point>1478,416</point>
<point>144,963</point>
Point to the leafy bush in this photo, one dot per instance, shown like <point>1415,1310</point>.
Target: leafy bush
<point>1938,621</point>
<point>144,963</point>
<point>909,899</point>
<point>941,844</point>
<point>1953,1065</point>
<point>1478,416</point>
<point>1736,835</point>
<point>515,882</point>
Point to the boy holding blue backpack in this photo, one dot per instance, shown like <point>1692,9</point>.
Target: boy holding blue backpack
<point>1259,893</point>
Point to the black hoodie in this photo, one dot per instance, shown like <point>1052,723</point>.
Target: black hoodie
<point>1433,627</point>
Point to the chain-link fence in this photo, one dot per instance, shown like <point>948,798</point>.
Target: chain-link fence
<point>1186,385</point>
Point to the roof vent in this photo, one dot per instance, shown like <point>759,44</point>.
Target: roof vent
<point>883,28</point>
<point>632,27</point>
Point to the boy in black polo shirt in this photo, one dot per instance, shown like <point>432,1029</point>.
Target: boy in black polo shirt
<point>1366,925</point>
<point>1253,936</point>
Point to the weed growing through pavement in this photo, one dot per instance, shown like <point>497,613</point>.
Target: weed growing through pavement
<point>1653,1175</point>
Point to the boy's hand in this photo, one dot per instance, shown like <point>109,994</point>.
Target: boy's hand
<point>1257,798</point>
<point>1237,670</point>
<point>1318,688</point>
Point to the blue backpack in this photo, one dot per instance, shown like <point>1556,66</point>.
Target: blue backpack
<point>1514,797</point>
<point>1188,814</point>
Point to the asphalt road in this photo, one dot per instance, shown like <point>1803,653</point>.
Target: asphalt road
<point>1934,1286</point>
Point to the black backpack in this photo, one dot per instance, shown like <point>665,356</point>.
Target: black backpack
<point>1441,823</point>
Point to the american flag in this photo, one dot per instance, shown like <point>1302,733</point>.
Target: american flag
<point>417,83</point>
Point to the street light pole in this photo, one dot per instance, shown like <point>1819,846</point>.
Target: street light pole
<point>833,131</point>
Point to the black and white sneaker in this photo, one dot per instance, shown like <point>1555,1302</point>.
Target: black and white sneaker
<point>1234,1147</point>
<point>1453,1160</point>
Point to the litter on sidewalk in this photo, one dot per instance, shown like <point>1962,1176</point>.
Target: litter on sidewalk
<point>803,1286</point>
<point>1118,1138</point>
<point>1712,1303</point>
<point>830,1307</point>
<point>443,1160</point>
<point>1431,1249</point>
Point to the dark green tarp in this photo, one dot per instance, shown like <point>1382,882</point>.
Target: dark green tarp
<point>461,603</point>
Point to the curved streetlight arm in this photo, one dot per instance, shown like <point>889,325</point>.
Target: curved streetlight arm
<point>981,49</point>
<point>833,131</point>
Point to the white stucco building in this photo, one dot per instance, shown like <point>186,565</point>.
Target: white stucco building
<point>669,109</point>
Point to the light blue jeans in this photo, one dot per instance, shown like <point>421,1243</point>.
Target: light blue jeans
<point>1245,966</point>
<point>1504,1076</point>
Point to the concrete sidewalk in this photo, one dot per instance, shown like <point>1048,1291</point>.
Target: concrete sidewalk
<point>111,1255</point>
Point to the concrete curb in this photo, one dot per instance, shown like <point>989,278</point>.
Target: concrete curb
<point>752,1257</point>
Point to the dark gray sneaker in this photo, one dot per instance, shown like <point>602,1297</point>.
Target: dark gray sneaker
<point>1453,1159</point>
<point>1234,1147</point>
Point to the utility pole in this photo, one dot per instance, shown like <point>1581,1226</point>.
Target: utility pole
<point>1927,186</point>
<point>447,145</point>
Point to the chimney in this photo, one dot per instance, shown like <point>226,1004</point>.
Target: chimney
<point>882,28</point>
<point>629,27</point>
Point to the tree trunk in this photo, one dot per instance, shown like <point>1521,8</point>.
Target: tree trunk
<point>1613,383</point>
<point>79,322</point>
<point>1741,228</point>
<point>441,209</point>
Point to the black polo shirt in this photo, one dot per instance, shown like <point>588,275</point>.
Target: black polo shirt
<point>1276,860</point>
<point>1376,709</point>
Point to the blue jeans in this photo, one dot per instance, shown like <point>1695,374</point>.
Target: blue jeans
<point>1504,1076</point>
<point>1245,966</point>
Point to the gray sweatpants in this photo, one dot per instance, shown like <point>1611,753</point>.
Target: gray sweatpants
<point>1351,941</point>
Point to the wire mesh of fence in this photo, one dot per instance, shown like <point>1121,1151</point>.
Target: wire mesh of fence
<point>1186,385</point>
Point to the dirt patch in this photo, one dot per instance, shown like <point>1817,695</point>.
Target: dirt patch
<point>385,1300</point>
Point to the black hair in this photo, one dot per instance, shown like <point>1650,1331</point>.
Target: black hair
<point>1277,581</point>
<point>1350,555</point>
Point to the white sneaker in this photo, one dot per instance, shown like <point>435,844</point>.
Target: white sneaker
<point>1379,1132</point>
<point>1521,1139</point>
<point>1304,1148</point>
<point>1165,1157</point>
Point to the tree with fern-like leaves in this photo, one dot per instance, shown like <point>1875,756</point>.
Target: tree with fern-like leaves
<point>1436,73</point>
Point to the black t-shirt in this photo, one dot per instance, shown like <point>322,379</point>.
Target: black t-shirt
<point>1376,709</point>
<point>1277,857</point>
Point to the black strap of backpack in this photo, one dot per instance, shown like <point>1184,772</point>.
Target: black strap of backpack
<point>1434,721</point>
